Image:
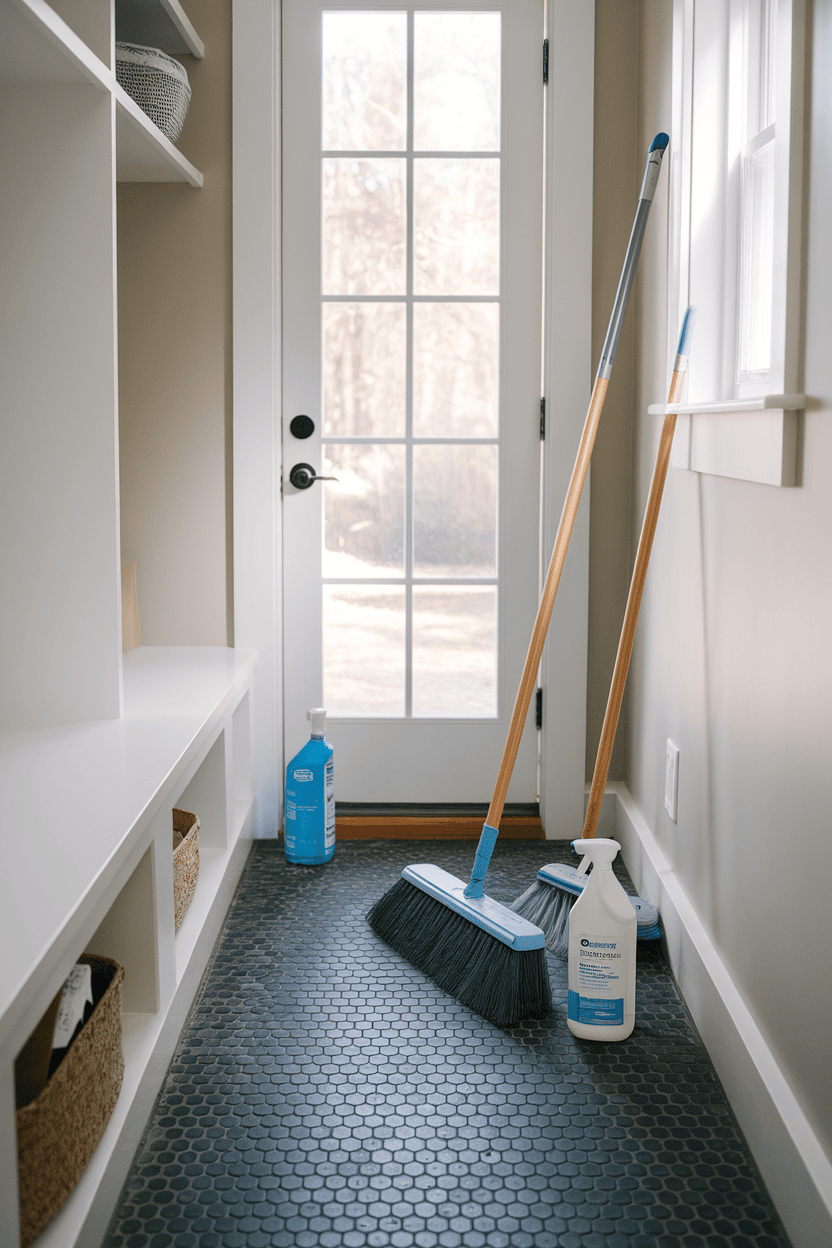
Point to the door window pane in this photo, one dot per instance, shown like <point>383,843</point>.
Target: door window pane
<point>456,222</point>
<point>454,651</point>
<point>364,656</point>
<point>364,369</point>
<point>456,353</point>
<point>410,509</point>
<point>456,82</point>
<point>363,226</point>
<point>364,70</point>
<point>454,510</point>
<point>364,511</point>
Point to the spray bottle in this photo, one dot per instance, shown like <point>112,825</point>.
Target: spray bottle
<point>602,949</point>
<point>310,798</point>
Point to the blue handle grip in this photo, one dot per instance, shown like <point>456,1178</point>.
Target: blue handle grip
<point>488,839</point>
<point>686,332</point>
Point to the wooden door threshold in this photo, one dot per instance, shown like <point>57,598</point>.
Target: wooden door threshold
<point>463,823</point>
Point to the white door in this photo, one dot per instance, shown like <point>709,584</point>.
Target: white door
<point>412,226</point>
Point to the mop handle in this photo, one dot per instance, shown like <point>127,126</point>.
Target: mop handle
<point>645,545</point>
<point>528,680</point>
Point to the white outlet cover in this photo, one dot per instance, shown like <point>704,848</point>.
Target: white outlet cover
<point>671,779</point>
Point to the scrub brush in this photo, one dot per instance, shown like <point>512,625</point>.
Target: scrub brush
<point>548,901</point>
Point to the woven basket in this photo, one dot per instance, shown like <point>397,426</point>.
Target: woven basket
<point>185,861</point>
<point>157,83</point>
<point>59,1131</point>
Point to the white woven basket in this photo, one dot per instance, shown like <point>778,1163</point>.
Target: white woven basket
<point>157,83</point>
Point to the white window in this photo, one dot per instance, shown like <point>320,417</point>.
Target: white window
<point>735,211</point>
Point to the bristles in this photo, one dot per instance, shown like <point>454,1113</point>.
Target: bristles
<point>548,908</point>
<point>495,981</point>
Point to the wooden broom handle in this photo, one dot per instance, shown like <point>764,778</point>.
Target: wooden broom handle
<point>628,630</point>
<point>528,680</point>
<point>576,485</point>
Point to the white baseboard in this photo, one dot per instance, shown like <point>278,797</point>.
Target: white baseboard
<point>791,1160</point>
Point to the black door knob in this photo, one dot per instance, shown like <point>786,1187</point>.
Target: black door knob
<point>304,475</point>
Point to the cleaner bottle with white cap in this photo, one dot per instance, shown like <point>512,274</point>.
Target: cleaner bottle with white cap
<point>602,949</point>
<point>310,798</point>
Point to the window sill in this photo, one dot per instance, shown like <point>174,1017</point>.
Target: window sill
<point>750,439</point>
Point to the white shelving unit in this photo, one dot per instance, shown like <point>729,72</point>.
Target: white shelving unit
<point>88,864</point>
<point>96,748</point>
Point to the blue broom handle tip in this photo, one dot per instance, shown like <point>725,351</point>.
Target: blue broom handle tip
<point>660,142</point>
<point>686,332</point>
<point>488,839</point>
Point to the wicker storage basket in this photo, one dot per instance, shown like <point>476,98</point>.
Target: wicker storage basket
<point>58,1132</point>
<point>185,861</point>
<point>157,83</point>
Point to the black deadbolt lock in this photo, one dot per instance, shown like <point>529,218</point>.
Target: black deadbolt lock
<point>302,426</point>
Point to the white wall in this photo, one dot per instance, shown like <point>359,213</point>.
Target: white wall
<point>257,387</point>
<point>733,657</point>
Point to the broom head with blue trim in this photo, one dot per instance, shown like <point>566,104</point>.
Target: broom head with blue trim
<point>473,948</point>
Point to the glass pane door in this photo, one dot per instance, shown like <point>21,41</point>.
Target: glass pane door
<point>431,472</point>
<point>410,176</point>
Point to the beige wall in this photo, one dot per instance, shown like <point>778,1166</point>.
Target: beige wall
<point>733,651</point>
<point>174,277</point>
<point>615,194</point>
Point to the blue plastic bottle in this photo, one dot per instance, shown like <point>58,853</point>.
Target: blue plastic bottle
<point>310,798</point>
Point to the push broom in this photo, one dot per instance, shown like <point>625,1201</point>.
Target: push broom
<point>491,959</point>
<point>549,900</point>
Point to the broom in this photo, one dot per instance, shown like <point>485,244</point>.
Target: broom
<point>549,900</point>
<point>491,959</point>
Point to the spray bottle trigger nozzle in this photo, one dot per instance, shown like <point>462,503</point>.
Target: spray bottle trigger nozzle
<point>585,865</point>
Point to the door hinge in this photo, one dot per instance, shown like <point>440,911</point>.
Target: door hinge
<point>542,419</point>
<point>538,714</point>
<point>545,61</point>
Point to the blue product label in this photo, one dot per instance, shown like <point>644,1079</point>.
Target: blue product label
<point>329,805</point>
<point>605,1012</point>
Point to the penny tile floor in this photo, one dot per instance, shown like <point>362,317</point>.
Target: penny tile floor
<point>325,1094</point>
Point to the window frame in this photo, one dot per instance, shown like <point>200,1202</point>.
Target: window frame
<point>728,426</point>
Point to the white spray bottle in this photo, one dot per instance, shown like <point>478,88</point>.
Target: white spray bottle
<point>602,949</point>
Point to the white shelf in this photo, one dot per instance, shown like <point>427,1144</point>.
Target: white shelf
<point>91,867</point>
<point>38,48</point>
<point>85,794</point>
<point>143,153</point>
<point>159,24</point>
